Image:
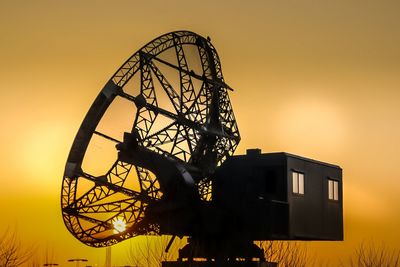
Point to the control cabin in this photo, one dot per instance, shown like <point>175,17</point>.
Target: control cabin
<point>280,196</point>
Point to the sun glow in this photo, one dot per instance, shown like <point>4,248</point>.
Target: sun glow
<point>315,120</point>
<point>119,225</point>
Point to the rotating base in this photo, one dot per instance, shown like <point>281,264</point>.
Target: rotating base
<point>220,252</point>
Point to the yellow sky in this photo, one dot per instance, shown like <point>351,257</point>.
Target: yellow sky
<point>314,78</point>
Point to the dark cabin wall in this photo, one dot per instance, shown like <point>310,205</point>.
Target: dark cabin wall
<point>333,215</point>
<point>253,196</point>
<point>242,178</point>
<point>313,215</point>
<point>269,178</point>
<point>252,190</point>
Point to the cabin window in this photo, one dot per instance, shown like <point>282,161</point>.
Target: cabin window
<point>298,182</point>
<point>333,189</point>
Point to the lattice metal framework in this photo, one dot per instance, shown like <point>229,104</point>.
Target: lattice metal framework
<point>201,132</point>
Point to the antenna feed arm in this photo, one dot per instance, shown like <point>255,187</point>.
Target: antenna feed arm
<point>174,179</point>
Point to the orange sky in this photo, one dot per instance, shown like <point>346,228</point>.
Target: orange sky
<point>314,78</point>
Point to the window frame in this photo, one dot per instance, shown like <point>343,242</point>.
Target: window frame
<point>298,183</point>
<point>333,190</point>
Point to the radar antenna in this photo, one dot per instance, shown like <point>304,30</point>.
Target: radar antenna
<point>182,129</point>
<point>154,156</point>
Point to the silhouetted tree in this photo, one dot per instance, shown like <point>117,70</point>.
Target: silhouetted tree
<point>372,255</point>
<point>150,251</point>
<point>12,253</point>
<point>286,254</point>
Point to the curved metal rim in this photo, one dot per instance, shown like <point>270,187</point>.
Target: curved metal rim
<point>95,113</point>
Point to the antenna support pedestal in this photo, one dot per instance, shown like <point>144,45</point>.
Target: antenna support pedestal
<point>227,252</point>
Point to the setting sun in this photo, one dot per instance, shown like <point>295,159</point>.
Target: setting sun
<point>119,225</point>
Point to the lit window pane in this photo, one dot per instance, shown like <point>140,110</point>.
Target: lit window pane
<point>333,190</point>
<point>301,183</point>
<point>295,182</point>
<point>330,189</point>
<point>336,190</point>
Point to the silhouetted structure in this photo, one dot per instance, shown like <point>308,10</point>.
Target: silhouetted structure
<point>175,173</point>
<point>280,196</point>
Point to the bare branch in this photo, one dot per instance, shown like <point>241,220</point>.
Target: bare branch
<point>12,253</point>
<point>150,251</point>
<point>372,255</point>
<point>286,254</point>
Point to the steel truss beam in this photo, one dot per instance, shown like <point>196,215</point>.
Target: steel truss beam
<point>202,130</point>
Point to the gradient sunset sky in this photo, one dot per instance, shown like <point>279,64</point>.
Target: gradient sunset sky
<point>319,79</point>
